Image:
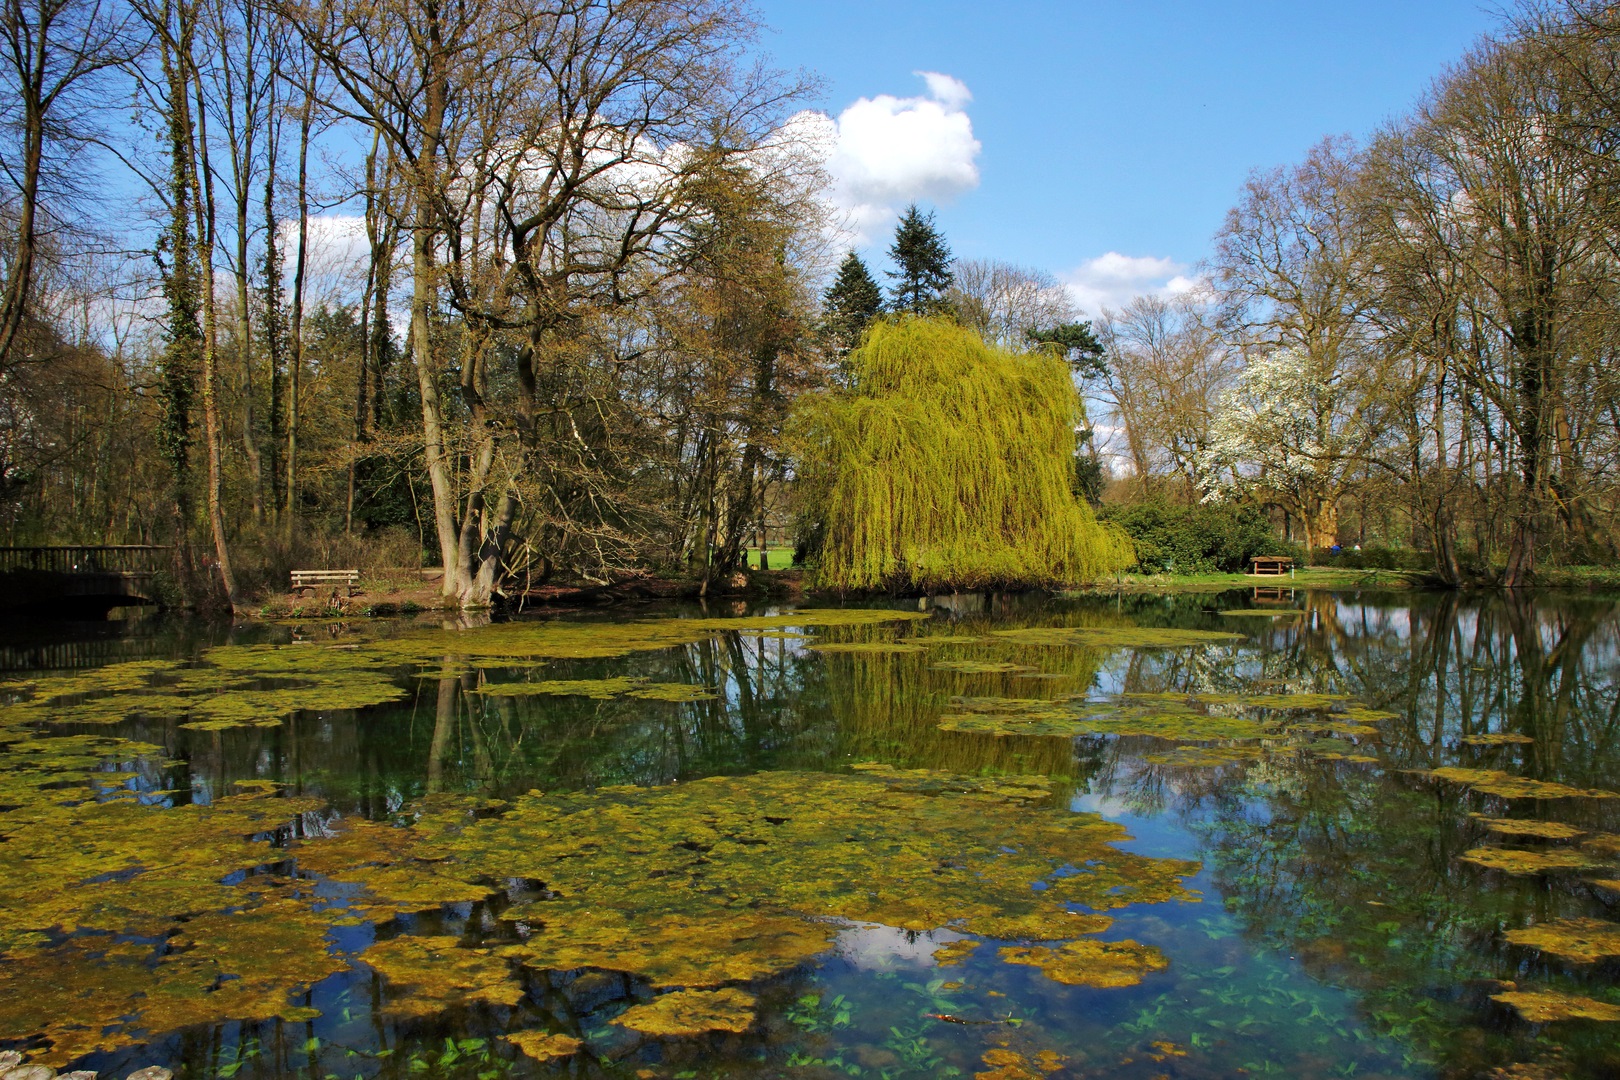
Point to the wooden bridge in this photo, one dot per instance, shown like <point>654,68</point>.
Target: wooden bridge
<point>78,580</point>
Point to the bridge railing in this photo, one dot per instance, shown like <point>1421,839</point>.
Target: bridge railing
<point>86,558</point>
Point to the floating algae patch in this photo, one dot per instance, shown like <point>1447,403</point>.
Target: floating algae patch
<point>563,640</point>
<point>1203,757</point>
<point>1339,750</point>
<point>1496,739</point>
<point>1294,701</point>
<point>1541,830</point>
<point>111,678</point>
<point>667,948</point>
<point>1331,726</point>
<point>1548,1006</point>
<point>543,1045</point>
<point>1181,727</point>
<point>1115,637</point>
<point>1004,1063</point>
<point>730,879</point>
<point>430,974</point>
<point>1580,941</point>
<point>98,993</point>
<point>1514,861</point>
<point>237,686</point>
<point>387,862</point>
<point>1506,786</point>
<point>1024,789</point>
<point>977,667</point>
<point>232,686</point>
<point>952,953</point>
<point>865,647</point>
<point>1181,717</point>
<point>691,1012</point>
<point>600,689</point>
<point>1013,716</point>
<point>1101,964</point>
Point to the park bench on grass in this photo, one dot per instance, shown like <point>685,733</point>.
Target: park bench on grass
<point>311,580</point>
<point>1270,565</point>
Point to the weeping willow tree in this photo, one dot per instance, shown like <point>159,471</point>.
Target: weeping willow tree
<point>947,463</point>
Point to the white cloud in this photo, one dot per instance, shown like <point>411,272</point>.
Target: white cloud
<point>1111,280</point>
<point>884,152</point>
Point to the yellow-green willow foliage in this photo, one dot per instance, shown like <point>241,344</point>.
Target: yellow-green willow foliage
<point>948,464</point>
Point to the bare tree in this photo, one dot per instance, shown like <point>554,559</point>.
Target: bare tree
<point>549,156</point>
<point>51,55</point>
<point>1005,302</point>
<point>1291,268</point>
<point>1167,365</point>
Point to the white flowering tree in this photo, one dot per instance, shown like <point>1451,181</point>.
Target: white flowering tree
<point>1290,431</point>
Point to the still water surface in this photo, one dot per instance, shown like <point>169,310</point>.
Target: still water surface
<point>1194,836</point>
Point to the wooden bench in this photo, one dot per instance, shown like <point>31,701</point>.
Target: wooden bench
<point>1270,565</point>
<point>311,580</point>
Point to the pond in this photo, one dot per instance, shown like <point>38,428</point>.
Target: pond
<point>1253,833</point>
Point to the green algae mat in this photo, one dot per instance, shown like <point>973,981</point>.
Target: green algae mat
<point>1087,837</point>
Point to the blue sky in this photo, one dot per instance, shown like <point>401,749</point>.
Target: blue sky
<point>1111,136</point>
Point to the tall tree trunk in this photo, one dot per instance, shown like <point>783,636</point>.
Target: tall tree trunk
<point>274,331</point>
<point>178,367</point>
<point>444,496</point>
<point>202,194</point>
<point>300,269</point>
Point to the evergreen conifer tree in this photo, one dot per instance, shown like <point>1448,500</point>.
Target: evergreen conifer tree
<point>924,264</point>
<point>850,303</point>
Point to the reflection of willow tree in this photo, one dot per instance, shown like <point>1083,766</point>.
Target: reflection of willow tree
<point>1354,870</point>
<point>887,705</point>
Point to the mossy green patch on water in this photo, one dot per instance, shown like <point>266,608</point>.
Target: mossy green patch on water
<point>1101,964</point>
<point>1496,739</point>
<point>427,975</point>
<point>1072,717</point>
<point>1506,786</point>
<point>864,648</point>
<point>1514,861</point>
<point>565,640</point>
<point>261,685</point>
<point>952,953</point>
<point>544,1045</point>
<point>731,879</point>
<point>1115,637</point>
<point>239,686</point>
<point>1339,750</point>
<point>1578,940</point>
<point>1551,1006</point>
<point>600,689</point>
<point>691,1012</point>
<point>1203,757</point>
<point>100,993</point>
<point>978,667</point>
<point>1541,830</point>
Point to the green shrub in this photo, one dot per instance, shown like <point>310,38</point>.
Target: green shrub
<point>1198,539</point>
<point>1374,558</point>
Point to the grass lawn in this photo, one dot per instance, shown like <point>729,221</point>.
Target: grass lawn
<point>1309,577</point>
<point>780,558</point>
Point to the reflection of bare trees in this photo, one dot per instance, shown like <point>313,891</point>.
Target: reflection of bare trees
<point>1354,870</point>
